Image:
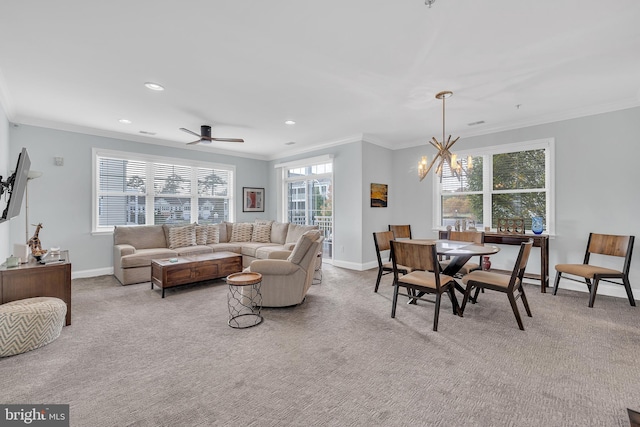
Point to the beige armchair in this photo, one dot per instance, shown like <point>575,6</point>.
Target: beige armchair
<point>285,282</point>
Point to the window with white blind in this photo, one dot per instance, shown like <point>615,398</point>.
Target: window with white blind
<point>508,181</point>
<point>134,189</point>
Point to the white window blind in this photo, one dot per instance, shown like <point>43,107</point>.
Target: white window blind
<point>132,190</point>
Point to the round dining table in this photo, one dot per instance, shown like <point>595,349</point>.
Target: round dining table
<point>460,253</point>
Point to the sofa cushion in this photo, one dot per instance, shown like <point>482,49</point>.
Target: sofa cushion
<point>264,252</point>
<point>194,250</point>
<point>202,232</point>
<point>295,231</point>
<point>143,257</point>
<point>223,234</point>
<point>261,233</point>
<point>180,237</point>
<point>250,249</point>
<point>279,232</point>
<point>140,236</point>
<point>213,234</point>
<point>241,232</point>
<point>226,247</point>
<point>302,246</point>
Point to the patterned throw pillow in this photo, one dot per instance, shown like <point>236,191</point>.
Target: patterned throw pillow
<point>201,234</point>
<point>213,234</point>
<point>261,233</point>
<point>241,232</point>
<point>180,237</point>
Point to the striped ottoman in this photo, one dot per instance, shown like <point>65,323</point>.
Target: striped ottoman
<point>30,323</point>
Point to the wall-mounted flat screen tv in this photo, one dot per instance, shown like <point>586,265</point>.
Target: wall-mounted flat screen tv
<point>16,185</point>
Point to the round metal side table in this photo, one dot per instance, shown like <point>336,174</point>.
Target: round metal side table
<point>244,299</point>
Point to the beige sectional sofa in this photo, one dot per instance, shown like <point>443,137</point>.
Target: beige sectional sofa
<point>135,246</point>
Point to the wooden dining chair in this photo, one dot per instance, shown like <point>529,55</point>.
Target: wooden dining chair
<point>382,241</point>
<point>425,277</point>
<point>603,244</point>
<point>510,285</point>
<point>466,236</point>
<point>401,231</point>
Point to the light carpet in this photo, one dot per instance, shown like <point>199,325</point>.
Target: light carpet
<point>131,358</point>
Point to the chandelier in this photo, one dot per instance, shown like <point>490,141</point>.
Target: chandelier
<point>444,153</point>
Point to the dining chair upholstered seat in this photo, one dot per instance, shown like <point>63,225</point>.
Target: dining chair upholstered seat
<point>602,244</point>
<point>425,277</point>
<point>382,241</point>
<point>508,284</point>
<point>401,231</point>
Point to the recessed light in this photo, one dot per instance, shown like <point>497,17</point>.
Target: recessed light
<point>154,86</point>
<point>289,143</point>
<point>147,133</point>
<point>125,121</point>
<point>289,122</point>
<point>479,122</point>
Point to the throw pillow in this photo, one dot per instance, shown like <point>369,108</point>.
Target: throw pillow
<point>213,234</point>
<point>261,233</point>
<point>241,232</point>
<point>180,237</point>
<point>201,234</point>
<point>302,246</point>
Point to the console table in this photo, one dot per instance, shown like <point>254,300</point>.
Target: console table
<point>38,280</point>
<point>539,240</point>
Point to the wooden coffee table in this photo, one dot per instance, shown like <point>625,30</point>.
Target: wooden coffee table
<point>193,268</point>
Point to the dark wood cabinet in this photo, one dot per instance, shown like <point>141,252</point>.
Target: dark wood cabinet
<point>539,240</point>
<point>37,280</point>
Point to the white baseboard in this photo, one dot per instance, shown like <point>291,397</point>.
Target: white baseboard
<point>91,273</point>
<point>350,265</point>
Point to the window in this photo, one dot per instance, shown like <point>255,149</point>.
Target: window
<point>135,190</point>
<point>308,196</point>
<point>508,181</point>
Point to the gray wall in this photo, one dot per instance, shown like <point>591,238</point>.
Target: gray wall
<point>375,169</point>
<point>5,164</point>
<point>596,178</point>
<point>61,198</point>
<point>596,188</point>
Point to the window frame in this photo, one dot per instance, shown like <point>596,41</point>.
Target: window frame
<point>546,144</point>
<point>150,193</point>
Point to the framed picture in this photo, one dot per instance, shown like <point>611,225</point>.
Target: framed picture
<point>253,199</point>
<point>379,195</point>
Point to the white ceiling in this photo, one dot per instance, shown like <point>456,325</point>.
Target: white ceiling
<point>342,69</point>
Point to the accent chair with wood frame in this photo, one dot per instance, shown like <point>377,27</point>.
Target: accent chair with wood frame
<point>603,244</point>
<point>382,241</point>
<point>425,277</point>
<point>510,285</point>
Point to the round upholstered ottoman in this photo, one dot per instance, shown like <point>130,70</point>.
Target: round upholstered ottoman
<point>30,323</point>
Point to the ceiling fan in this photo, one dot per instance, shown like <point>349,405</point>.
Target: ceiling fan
<point>205,136</point>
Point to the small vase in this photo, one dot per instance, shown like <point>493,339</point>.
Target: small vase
<point>537,224</point>
<point>486,263</point>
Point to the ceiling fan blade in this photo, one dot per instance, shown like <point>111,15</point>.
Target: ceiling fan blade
<point>194,142</point>
<point>223,139</point>
<point>228,139</point>
<point>191,132</point>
